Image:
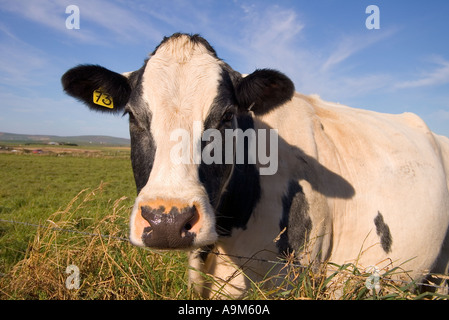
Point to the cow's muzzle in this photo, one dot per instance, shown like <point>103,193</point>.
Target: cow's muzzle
<point>168,224</point>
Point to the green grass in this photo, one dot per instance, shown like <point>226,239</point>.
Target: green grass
<point>110,267</point>
<point>93,195</point>
<point>34,186</point>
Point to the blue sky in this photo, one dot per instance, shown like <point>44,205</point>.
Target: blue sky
<point>324,46</point>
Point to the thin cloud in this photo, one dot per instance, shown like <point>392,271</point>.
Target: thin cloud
<point>440,115</point>
<point>19,61</point>
<point>43,12</point>
<point>437,76</point>
<point>119,22</point>
<point>267,37</point>
<point>276,37</point>
<point>348,45</point>
<point>271,28</point>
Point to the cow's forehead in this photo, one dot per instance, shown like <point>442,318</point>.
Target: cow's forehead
<point>180,81</point>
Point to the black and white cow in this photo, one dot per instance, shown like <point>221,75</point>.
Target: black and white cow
<point>347,184</point>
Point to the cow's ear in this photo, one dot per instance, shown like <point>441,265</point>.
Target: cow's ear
<point>263,90</point>
<point>99,88</point>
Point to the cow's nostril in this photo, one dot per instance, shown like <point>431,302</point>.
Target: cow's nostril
<point>173,226</point>
<point>190,224</point>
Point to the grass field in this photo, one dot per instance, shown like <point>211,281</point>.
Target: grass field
<point>91,194</point>
<point>85,193</point>
<point>35,186</point>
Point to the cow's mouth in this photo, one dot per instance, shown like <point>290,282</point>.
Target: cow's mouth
<point>167,223</point>
<point>174,229</point>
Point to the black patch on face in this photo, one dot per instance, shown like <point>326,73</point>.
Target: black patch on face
<point>142,153</point>
<point>143,147</point>
<point>295,223</point>
<point>235,202</point>
<point>383,231</point>
<point>242,194</point>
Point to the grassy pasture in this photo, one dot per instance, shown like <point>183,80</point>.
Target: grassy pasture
<point>91,193</point>
<point>35,186</point>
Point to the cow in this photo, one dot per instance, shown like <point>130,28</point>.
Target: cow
<point>349,184</point>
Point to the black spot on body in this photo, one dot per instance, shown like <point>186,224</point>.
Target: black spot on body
<point>383,231</point>
<point>295,223</point>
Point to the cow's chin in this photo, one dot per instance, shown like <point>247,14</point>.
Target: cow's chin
<point>208,239</point>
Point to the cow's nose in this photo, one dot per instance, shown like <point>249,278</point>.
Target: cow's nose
<point>170,226</point>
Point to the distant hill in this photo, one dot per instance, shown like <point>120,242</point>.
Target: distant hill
<point>79,140</point>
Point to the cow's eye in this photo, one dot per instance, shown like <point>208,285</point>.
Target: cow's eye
<point>228,116</point>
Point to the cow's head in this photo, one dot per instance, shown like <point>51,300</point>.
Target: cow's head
<point>183,88</point>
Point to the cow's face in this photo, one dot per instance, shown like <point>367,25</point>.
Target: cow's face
<point>179,99</point>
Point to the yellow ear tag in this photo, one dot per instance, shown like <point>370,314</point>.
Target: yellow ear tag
<point>103,99</point>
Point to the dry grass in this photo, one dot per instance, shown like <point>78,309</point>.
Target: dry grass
<point>111,268</point>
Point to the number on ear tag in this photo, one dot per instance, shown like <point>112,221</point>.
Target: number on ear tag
<point>103,99</point>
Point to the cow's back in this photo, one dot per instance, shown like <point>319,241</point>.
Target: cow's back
<point>398,170</point>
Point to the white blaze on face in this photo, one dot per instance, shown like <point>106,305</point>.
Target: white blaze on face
<point>179,85</point>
